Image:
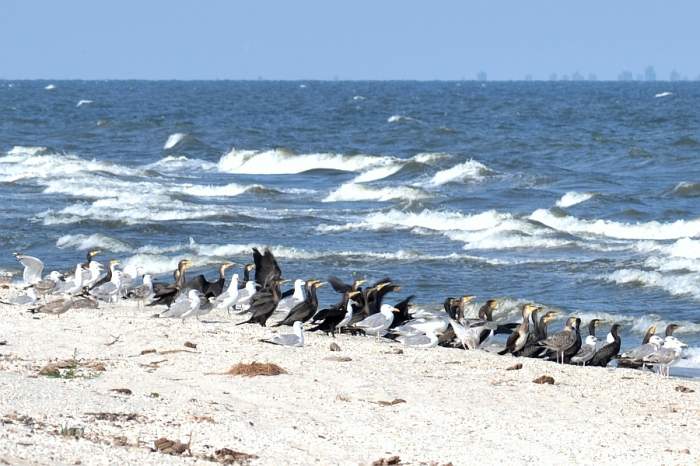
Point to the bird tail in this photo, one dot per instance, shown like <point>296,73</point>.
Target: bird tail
<point>267,341</point>
<point>504,351</point>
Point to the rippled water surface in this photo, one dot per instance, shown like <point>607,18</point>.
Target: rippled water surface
<point>583,196</point>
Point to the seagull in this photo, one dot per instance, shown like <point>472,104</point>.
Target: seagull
<point>24,299</point>
<point>589,347</point>
<point>378,324</point>
<point>77,286</point>
<point>295,339</point>
<point>184,303</point>
<point>229,297</point>
<point>562,341</point>
<point>33,267</point>
<point>425,340</point>
<point>287,303</point>
<point>666,356</point>
<point>144,292</point>
<point>55,307</point>
<point>245,295</point>
<point>109,291</point>
<point>640,352</point>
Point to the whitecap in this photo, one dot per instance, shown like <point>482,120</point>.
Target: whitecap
<point>357,192</point>
<point>229,190</point>
<point>611,229</point>
<point>399,119</point>
<point>572,198</point>
<point>677,285</point>
<point>50,87</point>
<point>181,165</point>
<point>94,241</point>
<point>358,97</point>
<point>469,170</point>
<point>83,102</point>
<point>280,162</point>
<point>663,94</point>
<point>173,140</point>
<point>379,173</point>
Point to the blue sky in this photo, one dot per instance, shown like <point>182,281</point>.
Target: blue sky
<point>359,39</point>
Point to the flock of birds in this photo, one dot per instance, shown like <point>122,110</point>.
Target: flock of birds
<point>359,311</point>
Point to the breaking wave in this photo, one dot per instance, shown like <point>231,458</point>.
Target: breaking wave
<point>572,198</point>
<point>611,229</point>
<point>471,170</point>
<point>356,192</point>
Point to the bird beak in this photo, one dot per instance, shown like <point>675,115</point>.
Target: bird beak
<point>360,282</point>
<point>320,284</point>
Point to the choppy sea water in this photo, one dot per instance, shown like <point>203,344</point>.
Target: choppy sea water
<point>582,196</point>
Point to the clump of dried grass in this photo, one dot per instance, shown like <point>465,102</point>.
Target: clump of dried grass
<point>255,368</point>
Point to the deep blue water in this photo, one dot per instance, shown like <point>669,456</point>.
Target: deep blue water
<point>447,187</point>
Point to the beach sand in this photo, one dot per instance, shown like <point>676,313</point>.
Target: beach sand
<point>366,402</point>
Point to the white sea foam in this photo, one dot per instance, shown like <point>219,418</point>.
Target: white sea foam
<point>133,209</point>
<point>378,173</point>
<point>83,102</point>
<point>358,97</point>
<point>400,119</point>
<point>229,190</point>
<point>430,157</point>
<point>663,94</point>
<point>50,87</point>
<point>37,163</point>
<point>687,284</point>
<point>94,241</point>
<point>471,170</point>
<point>279,162</point>
<point>358,192</point>
<point>611,229</point>
<point>181,165</point>
<point>572,198</point>
<point>173,140</point>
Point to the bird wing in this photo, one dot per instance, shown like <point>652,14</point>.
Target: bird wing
<point>373,321</point>
<point>266,266</point>
<point>338,285</point>
<point>286,340</point>
<point>415,340</point>
<point>33,267</point>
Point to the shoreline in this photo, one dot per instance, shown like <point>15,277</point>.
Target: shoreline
<point>453,405</point>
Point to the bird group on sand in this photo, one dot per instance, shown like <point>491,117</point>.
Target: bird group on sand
<point>360,310</point>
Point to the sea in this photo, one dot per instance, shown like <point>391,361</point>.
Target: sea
<point>580,196</point>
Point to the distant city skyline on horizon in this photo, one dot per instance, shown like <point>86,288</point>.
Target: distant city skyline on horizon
<point>314,40</point>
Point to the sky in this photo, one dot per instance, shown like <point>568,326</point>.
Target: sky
<point>358,39</point>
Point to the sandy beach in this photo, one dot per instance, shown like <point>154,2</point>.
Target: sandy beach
<point>131,379</point>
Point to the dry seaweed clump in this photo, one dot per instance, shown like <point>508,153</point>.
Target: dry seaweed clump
<point>256,368</point>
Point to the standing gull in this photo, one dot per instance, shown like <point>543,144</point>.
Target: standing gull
<point>295,339</point>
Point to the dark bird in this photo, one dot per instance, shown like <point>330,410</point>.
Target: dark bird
<point>517,340</point>
<point>266,267</point>
<point>605,354</point>
<point>264,302</point>
<point>207,288</point>
<point>88,258</point>
<point>246,275</point>
<point>305,309</point>
<point>336,317</point>
<point>563,342</point>
<point>166,294</point>
<point>107,276</point>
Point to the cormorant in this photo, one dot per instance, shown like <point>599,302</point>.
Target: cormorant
<point>604,355</point>
<point>305,309</point>
<point>264,302</point>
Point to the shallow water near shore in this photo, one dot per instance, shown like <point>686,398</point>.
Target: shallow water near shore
<point>581,196</point>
